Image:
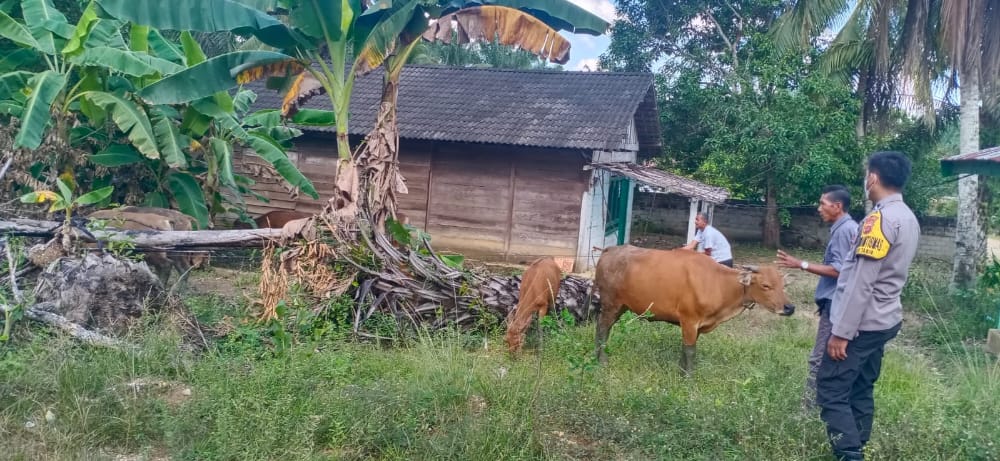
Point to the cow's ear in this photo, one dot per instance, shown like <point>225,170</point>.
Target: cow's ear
<point>746,278</point>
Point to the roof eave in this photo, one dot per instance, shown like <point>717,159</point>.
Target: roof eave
<point>980,167</point>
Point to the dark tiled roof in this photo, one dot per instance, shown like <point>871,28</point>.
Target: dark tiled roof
<point>986,162</point>
<point>575,110</point>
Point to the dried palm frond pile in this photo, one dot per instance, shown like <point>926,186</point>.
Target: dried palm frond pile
<point>414,286</point>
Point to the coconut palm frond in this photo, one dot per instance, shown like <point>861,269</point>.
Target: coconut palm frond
<point>844,57</point>
<point>804,20</point>
<point>916,59</point>
<point>855,27</point>
<point>961,26</point>
<point>991,59</point>
<point>879,33</point>
<point>914,36</point>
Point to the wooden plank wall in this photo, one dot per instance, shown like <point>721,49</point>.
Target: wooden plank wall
<point>493,202</point>
<point>506,203</point>
<point>317,159</point>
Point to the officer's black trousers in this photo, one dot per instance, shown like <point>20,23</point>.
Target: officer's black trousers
<point>844,391</point>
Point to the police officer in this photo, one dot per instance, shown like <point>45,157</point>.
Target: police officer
<point>866,311</point>
<point>833,205</point>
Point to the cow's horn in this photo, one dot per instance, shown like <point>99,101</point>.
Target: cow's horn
<point>753,269</point>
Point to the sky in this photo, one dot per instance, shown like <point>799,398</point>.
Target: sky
<point>586,49</point>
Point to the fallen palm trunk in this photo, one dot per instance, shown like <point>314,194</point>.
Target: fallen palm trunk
<point>413,287</point>
<point>149,239</point>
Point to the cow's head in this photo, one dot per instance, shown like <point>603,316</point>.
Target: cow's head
<point>766,287</point>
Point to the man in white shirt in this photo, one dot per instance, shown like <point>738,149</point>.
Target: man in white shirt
<point>711,241</point>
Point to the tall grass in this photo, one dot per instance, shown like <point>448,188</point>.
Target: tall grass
<point>452,396</point>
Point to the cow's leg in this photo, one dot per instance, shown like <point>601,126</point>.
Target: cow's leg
<point>610,312</point>
<point>689,334</point>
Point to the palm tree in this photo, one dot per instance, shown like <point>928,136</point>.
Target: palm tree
<point>955,42</point>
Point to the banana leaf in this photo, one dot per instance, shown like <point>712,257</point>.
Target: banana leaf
<point>203,16</point>
<point>270,151</point>
<point>224,155</point>
<point>207,78</point>
<point>325,19</point>
<point>106,32</point>
<point>558,14</point>
<point>168,138</point>
<point>138,38</point>
<point>132,63</point>
<point>130,119</point>
<point>23,58</point>
<point>16,32</point>
<point>82,31</point>
<point>13,82</point>
<point>164,48</point>
<point>40,16</point>
<point>189,196</point>
<point>116,155</point>
<point>45,87</point>
<point>11,108</point>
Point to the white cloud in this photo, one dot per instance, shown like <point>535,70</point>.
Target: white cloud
<point>588,64</point>
<point>603,8</point>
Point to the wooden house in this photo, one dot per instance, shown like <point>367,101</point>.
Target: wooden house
<point>502,165</point>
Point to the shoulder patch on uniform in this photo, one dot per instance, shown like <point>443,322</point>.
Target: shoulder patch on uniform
<point>871,241</point>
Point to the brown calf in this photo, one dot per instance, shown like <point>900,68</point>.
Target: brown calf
<point>539,287</point>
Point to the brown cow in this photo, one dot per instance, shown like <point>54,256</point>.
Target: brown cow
<point>539,286</point>
<point>161,219</point>
<point>682,287</point>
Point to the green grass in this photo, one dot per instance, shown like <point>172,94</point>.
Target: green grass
<point>446,396</point>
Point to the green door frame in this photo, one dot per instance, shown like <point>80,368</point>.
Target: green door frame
<point>619,189</point>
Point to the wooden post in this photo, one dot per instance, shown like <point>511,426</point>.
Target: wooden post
<point>993,341</point>
<point>695,204</point>
<point>706,208</point>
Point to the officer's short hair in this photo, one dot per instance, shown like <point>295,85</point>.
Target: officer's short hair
<point>892,168</point>
<point>702,215</point>
<point>840,194</point>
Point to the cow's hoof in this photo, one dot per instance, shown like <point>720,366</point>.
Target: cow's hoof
<point>687,359</point>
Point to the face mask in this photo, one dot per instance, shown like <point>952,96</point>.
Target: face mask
<point>867,187</point>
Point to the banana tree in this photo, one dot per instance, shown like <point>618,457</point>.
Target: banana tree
<point>196,140</point>
<point>74,57</point>
<point>91,75</point>
<point>315,44</point>
<point>528,25</point>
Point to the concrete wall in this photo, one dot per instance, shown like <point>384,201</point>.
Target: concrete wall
<point>743,222</point>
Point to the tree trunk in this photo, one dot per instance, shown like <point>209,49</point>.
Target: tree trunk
<point>378,161</point>
<point>970,233</point>
<point>150,239</point>
<point>861,126</point>
<point>772,228</point>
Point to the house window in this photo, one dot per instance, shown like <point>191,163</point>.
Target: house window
<point>617,205</point>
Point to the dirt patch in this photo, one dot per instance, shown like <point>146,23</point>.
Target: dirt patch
<point>173,393</point>
<point>657,241</point>
<point>575,446</point>
<point>226,283</point>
